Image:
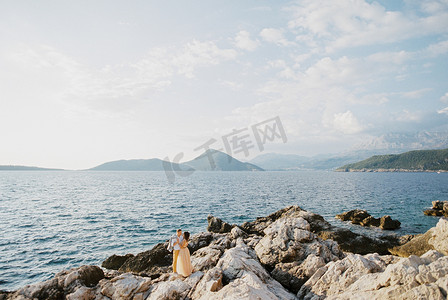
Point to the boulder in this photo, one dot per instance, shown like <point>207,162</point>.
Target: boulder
<point>370,221</point>
<point>151,263</point>
<point>317,222</point>
<point>350,241</point>
<point>217,225</point>
<point>239,275</point>
<point>435,238</point>
<point>380,277</point>
<point>387,223</point>
<point>362,217</point>
<point>114,262</point>
<point>356,216</point>
<point>289,248</point>
<point>176,287</point>
<point>439,238</point>
<point>439,208</point>
<point>437,205</point>
<point>433,212</point>
<point>125,286</point>
<point>63,284</point>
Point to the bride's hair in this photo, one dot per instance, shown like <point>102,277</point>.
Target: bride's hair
<point>186,235</point>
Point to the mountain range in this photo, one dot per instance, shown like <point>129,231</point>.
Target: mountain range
<point>417,160</point>
<point>210,160</point>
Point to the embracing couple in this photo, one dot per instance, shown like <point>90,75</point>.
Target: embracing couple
<point>178,243</point>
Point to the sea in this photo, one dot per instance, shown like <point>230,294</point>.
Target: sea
<point>55,220</point>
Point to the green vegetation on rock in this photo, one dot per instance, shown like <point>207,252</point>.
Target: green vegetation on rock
<point>420,160</point>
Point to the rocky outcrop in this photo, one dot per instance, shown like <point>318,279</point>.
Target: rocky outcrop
<point>64,284</point>
<point>380,277</point>
<point>435,238</point>
<point>362,217</point>
<point>291,254</point>
<point>439,208</point>
<point>217,225</point>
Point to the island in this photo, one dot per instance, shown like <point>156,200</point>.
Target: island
<point>412,161</point>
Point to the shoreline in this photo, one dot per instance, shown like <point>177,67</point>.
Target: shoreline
<point>286,255</point>
<point>391,170</point>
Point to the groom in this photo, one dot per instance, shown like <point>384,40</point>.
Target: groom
<point>175,241</point>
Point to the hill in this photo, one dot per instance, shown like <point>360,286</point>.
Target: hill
<point>153,164</point>
<point>26,168</point>
<point>418,160</point>
<point>221,162</point>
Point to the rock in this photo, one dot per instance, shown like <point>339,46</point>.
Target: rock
<point>439,238</point>
<point>355,215</point>
<point>336,277</point>
<point>437,205</point>
<point>317,222</point>
<point>362,217</point>
<point>114,262</point>
<point>370,221</point>
<point>200,240</point>
<point>151,263</point>
<point>174,288</point>
<point>243,278</point>
<point>387,223</point>
<point>433,212</point>
<point>350,241</point>
<point>435,238</point>
<point>417,246</point>
<point>64,283</point>
<point>289,249</point>
<point>237,232</point>
<point>439,208</point>
<point>217,225</point>
<point>378,277</point>
<point>126,286</point>
<point>210,283</point>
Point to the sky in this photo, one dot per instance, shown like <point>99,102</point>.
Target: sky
<point>86,82</point>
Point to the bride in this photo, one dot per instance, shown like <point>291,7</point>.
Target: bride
<point>184,266</point>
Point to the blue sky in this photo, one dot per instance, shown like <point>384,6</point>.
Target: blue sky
<point>84,82</point>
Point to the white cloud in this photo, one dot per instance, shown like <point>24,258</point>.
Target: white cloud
<point>48,71</point>
<point>342,24</point>
<point>243,41</point>
<point>443,111</point>
<point>407,116</point>
<point>346,123</point>
<point>415,94</point>
<point>444,98</point>
<point>438,48</point>
<point>273,35</point>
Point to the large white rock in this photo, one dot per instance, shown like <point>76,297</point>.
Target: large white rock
<point>125,286</point>
<point>439,239</point>
<point>380,277</point>
<point>246,276</point>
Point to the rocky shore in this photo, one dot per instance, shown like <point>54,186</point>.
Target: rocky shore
<point>290,254</point>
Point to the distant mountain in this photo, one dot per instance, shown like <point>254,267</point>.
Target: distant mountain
<point>25,168</point>
<point>153,164</point>
<point>396,142</point>
<point>276,161</point>
<point>220,162</point>
<point>418,160</point>
<point>292,162</point>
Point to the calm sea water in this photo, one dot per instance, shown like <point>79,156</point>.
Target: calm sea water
<point>50,221</point>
